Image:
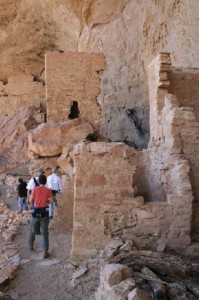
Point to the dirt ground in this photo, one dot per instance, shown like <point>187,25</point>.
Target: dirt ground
<point>53,278</point>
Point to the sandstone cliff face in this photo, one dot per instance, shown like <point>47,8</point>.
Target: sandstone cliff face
<point>29,28</point>
<point>130,39</point>
<point>128,32</point>
<point>14,137</point>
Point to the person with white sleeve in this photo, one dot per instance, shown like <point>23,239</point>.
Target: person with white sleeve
<point>33,182</point>
<point>54,183</point>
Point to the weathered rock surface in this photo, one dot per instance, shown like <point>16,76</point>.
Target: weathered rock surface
<point>23,43</point>
<point>147,276</point>
<point>21,90</point>
<point>129,33</point>
<point>14,136</point>
<point>49,139</point>
<point>9,256</point>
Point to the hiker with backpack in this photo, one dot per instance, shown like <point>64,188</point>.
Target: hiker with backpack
<point>41,197</point>
<point>34,181</point>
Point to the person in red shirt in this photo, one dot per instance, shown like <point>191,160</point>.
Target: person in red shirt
<point>41,196</point>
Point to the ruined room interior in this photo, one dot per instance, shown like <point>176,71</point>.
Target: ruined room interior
<point>107,91</point>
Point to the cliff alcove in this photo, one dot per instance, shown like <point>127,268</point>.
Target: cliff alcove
<point>108,91</point>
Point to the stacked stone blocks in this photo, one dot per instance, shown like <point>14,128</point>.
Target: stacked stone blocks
<point>73,76</point>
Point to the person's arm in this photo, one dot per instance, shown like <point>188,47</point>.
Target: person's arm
<point>31,197</point>
<point>49,181</point>
<point>50,197</point>
<point>28,196</point>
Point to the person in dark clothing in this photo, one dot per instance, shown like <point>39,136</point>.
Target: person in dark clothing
<point>22,195</point>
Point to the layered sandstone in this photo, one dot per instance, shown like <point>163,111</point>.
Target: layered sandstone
<point>14,136</point>
<point>19,91</point>
<point>129,33</point>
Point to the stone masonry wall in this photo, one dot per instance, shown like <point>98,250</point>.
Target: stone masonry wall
<point>19,91</point>
<point>105,204</point>
<point>73,77</point>
<point>63,214</point>
<point>184,130</point>
<point>177,122</point>
<point>184,83</point>
<point>104,195</point>
<point>111,180</point>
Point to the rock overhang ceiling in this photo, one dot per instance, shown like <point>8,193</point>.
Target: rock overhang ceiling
<point>128,32</point>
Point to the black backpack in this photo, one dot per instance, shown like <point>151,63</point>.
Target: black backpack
<point>36,184</point>
<point>35,181</point>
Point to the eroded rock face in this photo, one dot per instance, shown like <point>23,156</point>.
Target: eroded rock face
<point>39,30</point>
<point>14,136</point>
<point>19,91</point>
<point>129,33</point>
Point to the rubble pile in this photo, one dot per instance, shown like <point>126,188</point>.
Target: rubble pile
<point>9,256</point>
<point>129,273</point>
<point>11,181</point>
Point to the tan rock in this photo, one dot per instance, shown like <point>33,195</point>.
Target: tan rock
<point>65,164</point>
<point>116,292</point>
<point>49,139</point>
<point>114,273</point>
<point>128,246</point>
<point>10,252</point>
<point>138,294</point>
<point>13,139</point>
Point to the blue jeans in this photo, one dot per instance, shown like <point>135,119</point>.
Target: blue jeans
<point>43,223</point>
<point>22,203</point>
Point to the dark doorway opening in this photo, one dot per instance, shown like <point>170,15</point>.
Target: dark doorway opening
<point>74,111</point>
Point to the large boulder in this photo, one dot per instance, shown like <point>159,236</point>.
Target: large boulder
<point>49,139</point>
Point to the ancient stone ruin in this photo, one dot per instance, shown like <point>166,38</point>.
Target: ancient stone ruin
<point>111,189</point>
<point>101,90</point>
<point>145,196</point>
